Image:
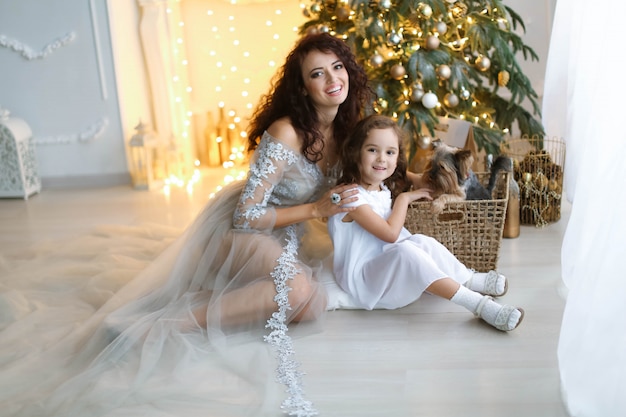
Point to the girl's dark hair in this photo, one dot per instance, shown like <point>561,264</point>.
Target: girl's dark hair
<point>351,153</point>
<point>286,99</point>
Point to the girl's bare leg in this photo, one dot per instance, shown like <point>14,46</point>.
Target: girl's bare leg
<point>444,287</point>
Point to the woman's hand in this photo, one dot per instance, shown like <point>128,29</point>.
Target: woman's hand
<point>325,207</point>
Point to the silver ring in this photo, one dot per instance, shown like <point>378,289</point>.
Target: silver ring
<point>335,198</point>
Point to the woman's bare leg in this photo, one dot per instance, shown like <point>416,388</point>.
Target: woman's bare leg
<point>255,302</point>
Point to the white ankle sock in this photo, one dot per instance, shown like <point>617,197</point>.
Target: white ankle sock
<point>489,313</point>
<point>490,283</point>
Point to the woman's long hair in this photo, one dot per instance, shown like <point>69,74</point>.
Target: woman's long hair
<point>286,99</point>
<point>351,154</point>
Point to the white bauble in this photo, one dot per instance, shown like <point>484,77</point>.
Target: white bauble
<point>430,100</point>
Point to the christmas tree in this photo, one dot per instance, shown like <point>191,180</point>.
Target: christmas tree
<point>433,58</point>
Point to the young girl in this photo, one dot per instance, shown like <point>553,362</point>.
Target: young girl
<point>378,261</point>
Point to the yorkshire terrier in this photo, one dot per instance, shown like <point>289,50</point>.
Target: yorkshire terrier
<point>449,176</point>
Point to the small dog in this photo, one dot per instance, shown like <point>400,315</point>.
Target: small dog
<point>449,176</point>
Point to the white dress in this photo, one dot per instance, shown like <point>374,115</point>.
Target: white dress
<point>99,327</point>
<point>385,275</point>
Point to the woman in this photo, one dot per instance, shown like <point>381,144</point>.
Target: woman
<point>194,332</point>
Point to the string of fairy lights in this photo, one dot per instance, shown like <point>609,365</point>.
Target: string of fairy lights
<point>228,52</point>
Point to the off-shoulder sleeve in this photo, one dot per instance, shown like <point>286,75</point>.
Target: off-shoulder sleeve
<point>255,209</point>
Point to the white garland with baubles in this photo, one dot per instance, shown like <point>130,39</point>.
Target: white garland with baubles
<point>29,53</point>
<point>90,133</point>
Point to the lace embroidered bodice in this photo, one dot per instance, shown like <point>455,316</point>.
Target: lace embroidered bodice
<point>279,176</point>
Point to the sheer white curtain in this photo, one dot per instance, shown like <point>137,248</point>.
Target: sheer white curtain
<point>584,102</point>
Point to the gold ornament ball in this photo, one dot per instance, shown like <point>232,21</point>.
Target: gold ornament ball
<point>451,100</point>
<point>397,72</point>
<point>312,30</point>
<point>483,63</point>
<point>377,60</point>
<point>444,72</point>
<point>432,42</point>
<point>527,177</point>
<point>553,185</point>
<point>343,13</point>
<point>424,141</point>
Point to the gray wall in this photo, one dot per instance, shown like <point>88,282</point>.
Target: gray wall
<point>67,93</point>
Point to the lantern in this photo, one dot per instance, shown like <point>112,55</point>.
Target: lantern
<point>18,166</point>
<point>143,157</point>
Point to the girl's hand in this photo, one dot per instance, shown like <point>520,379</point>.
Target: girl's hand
<point>325,207</point>
<point>419,194</point>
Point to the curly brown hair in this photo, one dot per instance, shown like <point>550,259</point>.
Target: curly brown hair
<point>351,153</point>
<point>286,99</point>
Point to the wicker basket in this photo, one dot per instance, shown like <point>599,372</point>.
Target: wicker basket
<point>538,170</point>
<point>471,230</point>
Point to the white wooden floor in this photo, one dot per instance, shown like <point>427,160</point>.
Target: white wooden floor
<point>429,359</point>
